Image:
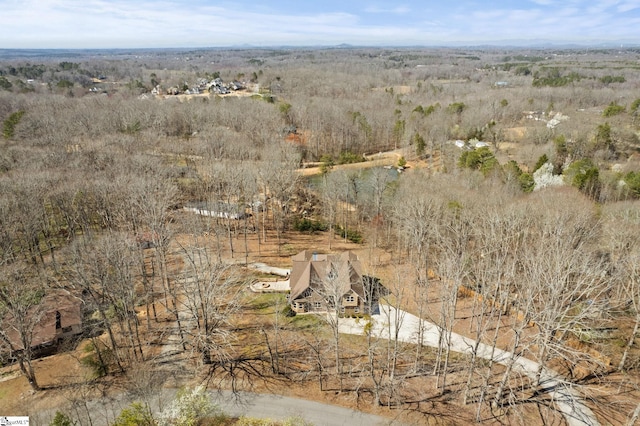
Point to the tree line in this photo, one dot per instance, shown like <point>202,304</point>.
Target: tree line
<point>93,190</point>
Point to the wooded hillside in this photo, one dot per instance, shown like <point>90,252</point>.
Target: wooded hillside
<point>494,192</point>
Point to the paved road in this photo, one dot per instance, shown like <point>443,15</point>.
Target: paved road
<point>280,407</point>
<point>104,411</point>
<point>567,400</point>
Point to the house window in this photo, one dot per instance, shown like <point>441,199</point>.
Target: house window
<point>356,309</point>
<point>350,299</point>
<point>317,305</point>
<point>342,309</point>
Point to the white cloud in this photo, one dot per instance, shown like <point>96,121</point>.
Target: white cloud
<point>543,2</point>
<point>399,10</point>
<point>181,23</point>
<point>628,6</point>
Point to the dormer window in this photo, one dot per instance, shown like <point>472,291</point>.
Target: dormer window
<point>333,274</point>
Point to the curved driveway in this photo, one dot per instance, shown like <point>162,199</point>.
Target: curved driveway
<point>567,400</point>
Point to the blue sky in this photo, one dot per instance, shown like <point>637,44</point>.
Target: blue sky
<point>203,23</point>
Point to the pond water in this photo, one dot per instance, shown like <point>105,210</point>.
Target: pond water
<point>362,181</point>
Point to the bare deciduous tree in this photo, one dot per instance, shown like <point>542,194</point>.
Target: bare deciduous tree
<point>20,315</point>
<point>211,294</point>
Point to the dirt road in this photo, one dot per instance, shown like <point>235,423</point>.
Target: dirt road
<point>388,158</point>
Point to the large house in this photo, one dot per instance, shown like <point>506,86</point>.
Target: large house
<point>325,282</point>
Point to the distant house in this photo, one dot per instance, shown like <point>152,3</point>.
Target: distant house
<point>218,89</point>
<point>202,83</point>
<point>535,115</point>
<point>319,282</point>
<point>220,209</point>
<point>236,85</point>
<point>460,144</point>
<point>60,318</point>
<point>471,144</point>
<point>215,86</point>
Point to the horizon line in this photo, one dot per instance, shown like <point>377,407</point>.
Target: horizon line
<point>612,44</point>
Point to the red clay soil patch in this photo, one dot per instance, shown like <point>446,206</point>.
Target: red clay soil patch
<point>299,137</point>
<point>53,373</point>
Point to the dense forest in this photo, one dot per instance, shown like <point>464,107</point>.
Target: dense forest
<point>494,192</point>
